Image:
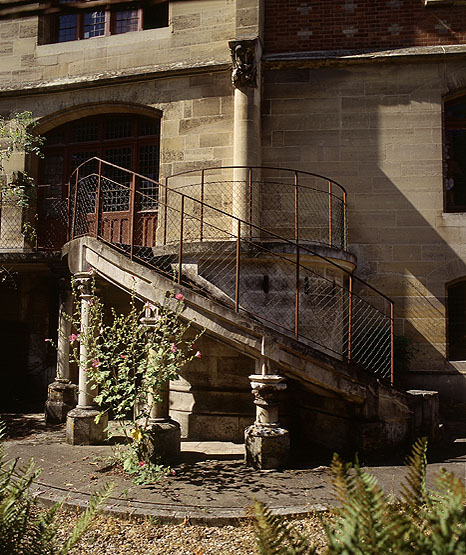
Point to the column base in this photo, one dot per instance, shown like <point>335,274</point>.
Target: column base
<point>81,427</point>
<point>164,440</point>
<point>267,446</point>
<point>61,398</point>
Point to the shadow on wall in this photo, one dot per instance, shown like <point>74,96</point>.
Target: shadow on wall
<point>378,131</point>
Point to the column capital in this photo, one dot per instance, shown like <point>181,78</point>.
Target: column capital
<point>243,56</point>
<point>83,282</point>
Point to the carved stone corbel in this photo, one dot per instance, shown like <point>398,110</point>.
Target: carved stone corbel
<point>243,56</point>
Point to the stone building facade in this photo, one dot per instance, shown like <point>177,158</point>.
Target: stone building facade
<point>367,94</point>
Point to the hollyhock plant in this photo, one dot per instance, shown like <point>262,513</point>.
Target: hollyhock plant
<point>128,362</point>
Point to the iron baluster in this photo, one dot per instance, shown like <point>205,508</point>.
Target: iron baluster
<point>180,250</point>
<point>237,265</point>
<point>97,199</point>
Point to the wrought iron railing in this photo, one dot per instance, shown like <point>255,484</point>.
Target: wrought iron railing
<point>297,205</point>
<point>235,262</point>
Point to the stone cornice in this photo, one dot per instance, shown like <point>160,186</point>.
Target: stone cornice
<point>343,57</point>
<point>113,78</point>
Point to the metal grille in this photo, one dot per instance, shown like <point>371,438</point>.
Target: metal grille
<point>242,265</point>
<point>295,205</point>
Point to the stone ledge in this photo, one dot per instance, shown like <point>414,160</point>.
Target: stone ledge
<point>334,57</point>
<point>113,77</point>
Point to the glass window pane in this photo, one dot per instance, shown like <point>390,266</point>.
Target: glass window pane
<point>149,167</point>
<point>115,188</point>
<point>126,21</point>
<point>118,128</point>
<point>94,24</point>
<point>53,170</point>
<point>86,131</point>
<point>67,26</point>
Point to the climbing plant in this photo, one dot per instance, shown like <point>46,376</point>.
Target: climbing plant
<point>17,135</point>
<point>129,362</point>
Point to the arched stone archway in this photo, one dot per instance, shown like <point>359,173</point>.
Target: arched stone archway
<point>123,134</point>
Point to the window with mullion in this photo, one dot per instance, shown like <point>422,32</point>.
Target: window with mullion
<point>125,21</point>
<point>67,27</point>
<point>454,159</point>
<point>94,24</point>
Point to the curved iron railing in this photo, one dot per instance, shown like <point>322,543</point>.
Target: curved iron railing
<point>297,205</point>
<point>272,278</point>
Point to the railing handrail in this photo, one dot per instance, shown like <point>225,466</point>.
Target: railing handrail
<point>222,212</point>
<point>209,168</point>
<point>300,249</point>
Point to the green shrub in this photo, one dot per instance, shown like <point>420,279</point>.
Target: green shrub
<point>369,522</point>
<point>25,530</point>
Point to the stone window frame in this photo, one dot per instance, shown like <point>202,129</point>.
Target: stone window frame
<point>455,328</point>
<point>148,17</point>
<point>454,167</point>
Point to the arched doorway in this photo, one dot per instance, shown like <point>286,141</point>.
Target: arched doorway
<point>127,140</point>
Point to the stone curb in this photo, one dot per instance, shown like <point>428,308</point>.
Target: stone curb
<point>47,496</point>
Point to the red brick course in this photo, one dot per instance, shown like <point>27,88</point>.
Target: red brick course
<point>312,25</point>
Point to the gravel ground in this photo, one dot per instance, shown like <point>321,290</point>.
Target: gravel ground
<point>110,536</point>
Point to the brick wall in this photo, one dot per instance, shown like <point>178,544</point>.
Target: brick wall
<point>300,25</point>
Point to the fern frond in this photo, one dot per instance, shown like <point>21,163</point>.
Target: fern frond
<point>445,515</point>
<point>276,536</point>
<point>83,523</point>
<point>413,488</point>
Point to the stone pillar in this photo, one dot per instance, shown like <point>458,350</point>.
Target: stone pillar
<point>81,426</point>
<point>61,396</point>
<point>164,433</point>
<point>267,444</point>
<point>246,127</point>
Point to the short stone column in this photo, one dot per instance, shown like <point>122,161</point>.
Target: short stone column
<point>61,396</point>
<point>267,444</point>
<point>163,432</point>
<point>81,427</point>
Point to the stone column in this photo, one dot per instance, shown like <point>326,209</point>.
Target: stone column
<point>267,444</point>
<point>164,433</point>
<point>246,127</point>
<point>61,396</point>
<point>81,426</point>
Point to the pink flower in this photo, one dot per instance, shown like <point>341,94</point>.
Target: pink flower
<point>142,464</point>
<point>198,354</point>
<point>91,270</point>
<point>174,348</point>
<point>91,302</point>
<point>73,337</point>
<point>96,363</point>
<point>123,356</point>
<point>174,472</point>
<point>47,340</point>
<point>179,297</point>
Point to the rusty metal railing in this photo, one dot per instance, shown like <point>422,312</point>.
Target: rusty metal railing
<point>297,205</point>
<point>235,262</point>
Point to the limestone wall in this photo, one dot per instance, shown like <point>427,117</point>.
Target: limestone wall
<point>196,36</point>
<point>377,130</point>
<point>212,399</point>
